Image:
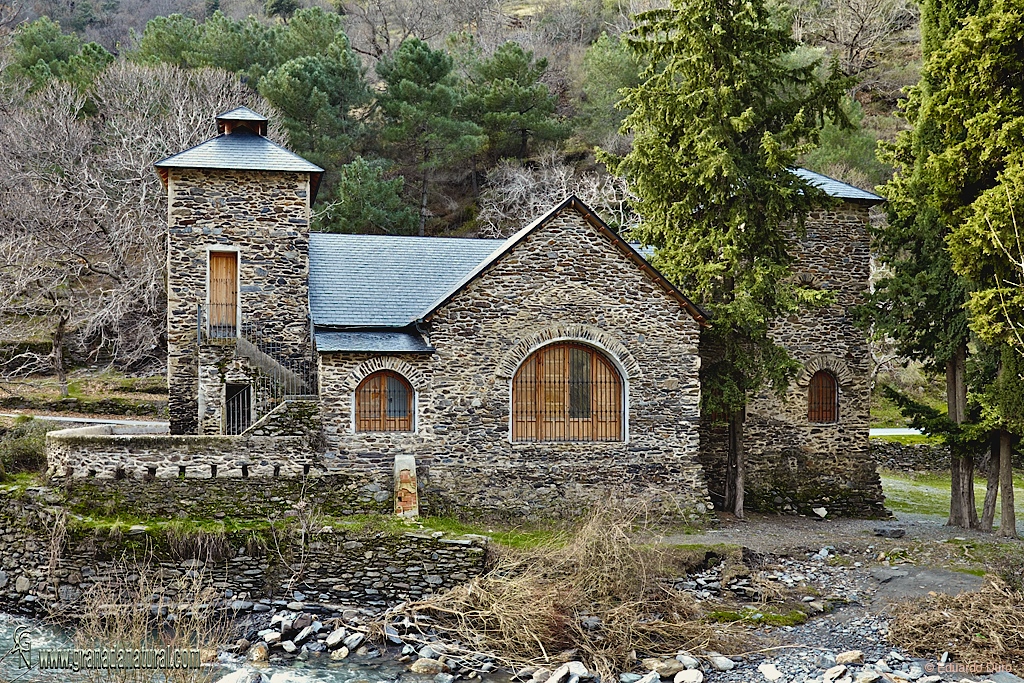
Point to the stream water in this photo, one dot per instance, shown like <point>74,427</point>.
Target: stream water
<point>320,669</point>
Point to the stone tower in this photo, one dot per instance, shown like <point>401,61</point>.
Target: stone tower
<point>237,265</point>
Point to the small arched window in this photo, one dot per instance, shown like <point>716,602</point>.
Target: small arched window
<point>384,403</point>
<point>567,392</point>
<point>823,398</point>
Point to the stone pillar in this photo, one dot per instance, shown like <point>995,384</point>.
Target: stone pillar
<point>406,496</point>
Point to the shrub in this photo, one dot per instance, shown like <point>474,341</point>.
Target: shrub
<point>23,447</point>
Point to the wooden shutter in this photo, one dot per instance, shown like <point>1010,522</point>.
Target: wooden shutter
<point>223,293</point>
<point>384,403</point>
<point>566,392</point>
<point>823,398</point>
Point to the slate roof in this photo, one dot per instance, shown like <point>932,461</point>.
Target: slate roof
<point>241,114</point>
<point>375,281</point>
<point>243,151</point>
<point>837,188</point>
<point>371,341</point>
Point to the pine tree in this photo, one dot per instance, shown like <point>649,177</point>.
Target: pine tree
<point>512,105</point>
<point>723,111</point>
<point>423,125</point>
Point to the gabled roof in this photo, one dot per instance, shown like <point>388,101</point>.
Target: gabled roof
<point>837,188</point>
<point>376,281</point>
<point>242,151</point>
<point>575,204</point>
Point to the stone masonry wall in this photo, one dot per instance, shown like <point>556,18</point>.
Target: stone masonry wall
<point>118,451</point>
<point>792,464</point>
<point>565,281</point>
<point>331,571</point>
<point>265,217</point>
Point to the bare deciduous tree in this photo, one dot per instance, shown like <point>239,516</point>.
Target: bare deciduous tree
<point>516,194</point>
<point>83,255</point>
<point>856,32</point>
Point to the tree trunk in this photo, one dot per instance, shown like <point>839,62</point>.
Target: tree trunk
<point>423,205</point>
<point>1008,518</point>
<point>992,485</point>
<point>58,355</point>
<point>734,479</point>
<point>962,509</point>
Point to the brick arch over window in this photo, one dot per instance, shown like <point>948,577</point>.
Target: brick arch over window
<point>410,372</point>
<point>829,363</point>
<point>584,334</point>
<point>567,391</point>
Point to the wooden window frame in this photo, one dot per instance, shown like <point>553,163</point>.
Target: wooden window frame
<point>381,422</point>
<point>822,409</point>
<point>541,409</point>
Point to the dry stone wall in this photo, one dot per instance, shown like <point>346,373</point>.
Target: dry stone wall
<point>565,281</point>
<point>792,464</point>
<point>330,571</point>
<point>265,217</point>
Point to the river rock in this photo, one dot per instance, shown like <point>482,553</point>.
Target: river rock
<point>428,666</point>
<point>769,671</point>
<point>689,676</point>
<point>339,654</point>
<point>259,652</point>
<point>688,661</point>
<point>353,640</point>
<point>629,677</point>
<point>850,657</point>
<point>867,676</point>
<point>721,662</point>
<point>651,677</point>
<point>336,637</point>
<point>22,584</point>
<point>304,635</point>
<point>834,673</point>
<point>272,638</point>
<point>444,678</point>
<point>302,621</point>
<point>288,646</point>
<point>666,668</point>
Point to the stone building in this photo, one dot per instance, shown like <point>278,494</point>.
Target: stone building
<point>810,448</point>
<point>520,377</point>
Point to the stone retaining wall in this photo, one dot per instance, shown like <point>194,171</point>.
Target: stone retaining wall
<point>920,457</point>
<point>123,451</point>
<point>332,570</point>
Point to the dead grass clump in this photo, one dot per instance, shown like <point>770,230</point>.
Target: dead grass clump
<point>598,596</point>
<point>136,606</point>
<point>985,625</point>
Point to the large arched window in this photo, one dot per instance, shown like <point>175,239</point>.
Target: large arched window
<point>823,398</point>
<point>567,392</point>
<point>384,403</point>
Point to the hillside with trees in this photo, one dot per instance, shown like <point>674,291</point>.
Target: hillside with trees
<point>431,118</point>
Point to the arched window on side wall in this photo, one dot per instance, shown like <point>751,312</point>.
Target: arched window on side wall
<point>567,392</point>
<point>384,403</point>
<point>823,398</point>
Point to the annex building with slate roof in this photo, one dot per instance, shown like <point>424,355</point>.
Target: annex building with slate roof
<point>528,377</point>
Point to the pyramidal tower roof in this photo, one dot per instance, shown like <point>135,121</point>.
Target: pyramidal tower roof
<point>242,145</point>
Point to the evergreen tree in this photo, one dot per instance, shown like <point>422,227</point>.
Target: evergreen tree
<point>171,40</point>
<point>366,201</point>
<point>511,104</point>
<point>608,68</point>
<point>724,109</point>
<point>42,53</point>
<point>423,126</point>
<point>920,304</point>
<point>316,97</point>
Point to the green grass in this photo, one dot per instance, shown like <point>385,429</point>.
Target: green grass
<point>885,413</point>
<point>928,493</point>
<point>512,537</point>
<point>911,439</point>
